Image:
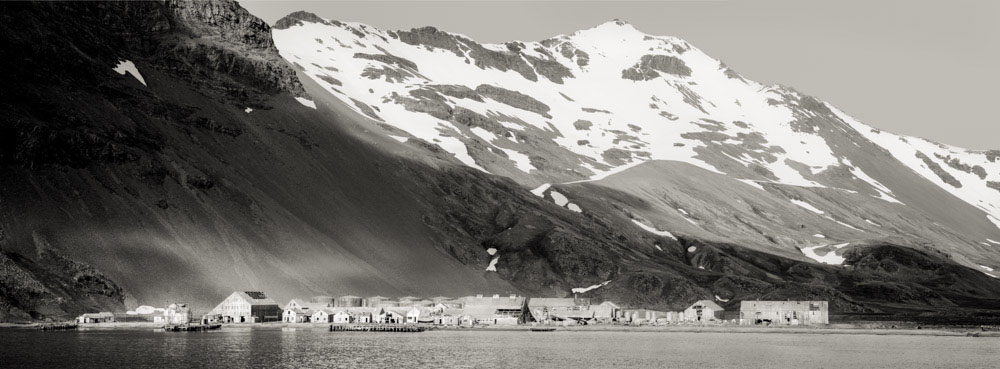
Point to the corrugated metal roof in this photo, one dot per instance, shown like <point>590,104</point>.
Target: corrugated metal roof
<point>261,298</point>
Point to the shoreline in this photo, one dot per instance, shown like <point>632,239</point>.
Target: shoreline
<point>845,329</point>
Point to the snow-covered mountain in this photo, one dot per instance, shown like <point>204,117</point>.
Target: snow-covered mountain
<point>598,103</point>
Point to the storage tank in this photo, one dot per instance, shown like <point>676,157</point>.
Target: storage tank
<point>322,299</point>
<point>349,301</point>
<point>374,301</point>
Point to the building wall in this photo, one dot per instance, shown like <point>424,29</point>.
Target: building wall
<point>234,310</point>
<point>784,312</point>
<point>321,317</point>
<point>265,313</point>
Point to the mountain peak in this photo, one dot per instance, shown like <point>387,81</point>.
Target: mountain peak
<point>296,18</point>
<point>616,25</point>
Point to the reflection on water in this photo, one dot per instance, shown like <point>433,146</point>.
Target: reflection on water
<point>486,349</point>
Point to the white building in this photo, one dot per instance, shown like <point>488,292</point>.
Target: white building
<point>247,307</point>
<point>703,311</point>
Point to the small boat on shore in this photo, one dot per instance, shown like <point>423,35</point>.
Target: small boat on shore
<point>543,329</point>
<point>57,326</point>
<point>376,328</point>
<point>190,327</point>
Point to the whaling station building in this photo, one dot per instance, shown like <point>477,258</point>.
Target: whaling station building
<point>784,312</point>
<point>245,307</point>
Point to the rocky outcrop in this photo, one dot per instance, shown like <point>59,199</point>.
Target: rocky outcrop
<point>211,37</point>
<point>515,99</point>
<point>51,287</point>
<point>940,172</point>
<point>650,66</point>
<point>238,43</point>
<point>297,18</point>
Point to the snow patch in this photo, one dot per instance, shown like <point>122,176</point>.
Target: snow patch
<point>306,102</point>
<point>819,235</point>
<point>540,191</point>
<point>654,230</point>
<point>872,223</point>
<point>988,270</point>
<point>400,138</point>
<point>992,241</point>
<point>493,264</point>
<point>591,288</point>
<point>126,66</point>
<point>806,205</point>
<point>717,298</point>
<point>574,207</point>
<point>995,221</point>
<point>521,161</point>
<point>484,134</point>
<point>692,249</point>
<point>558,198</point>
<point>492,251</point>
<point>828,256</point>
<point>883,191</point>
<point>842,223</point>
<point>752,183</point>
<point>248,110</point>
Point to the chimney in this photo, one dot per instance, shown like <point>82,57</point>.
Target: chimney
<point>496,296</point>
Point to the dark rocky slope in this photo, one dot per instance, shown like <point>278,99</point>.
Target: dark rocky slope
<point>178,194</point>
<point>47,286</point>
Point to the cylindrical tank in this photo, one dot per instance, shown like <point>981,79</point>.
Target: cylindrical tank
<point>322,299</point>
<point>374,301</point>
<point>349,301</point>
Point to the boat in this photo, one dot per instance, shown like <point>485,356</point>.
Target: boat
<point>57,326</point>
<point>376,328</point>
<point>190,327</point>
<point>543,329</point>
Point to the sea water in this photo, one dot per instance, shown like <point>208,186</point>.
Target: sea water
<point>267,348</point>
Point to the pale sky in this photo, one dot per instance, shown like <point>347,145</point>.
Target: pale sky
<point>920,68</point>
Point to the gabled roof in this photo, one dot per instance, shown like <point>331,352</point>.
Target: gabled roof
<point>255,298</point>
<point>297,302</point>
<point>326,310</point>
<point>609,303</point>
<point>707,304</point>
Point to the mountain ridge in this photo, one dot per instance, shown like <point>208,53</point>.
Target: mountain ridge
<point>537,112</point>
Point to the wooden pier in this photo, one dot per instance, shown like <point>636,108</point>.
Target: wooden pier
<point>376,328</point>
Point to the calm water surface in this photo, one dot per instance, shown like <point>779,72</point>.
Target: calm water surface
<point>487,349</point>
